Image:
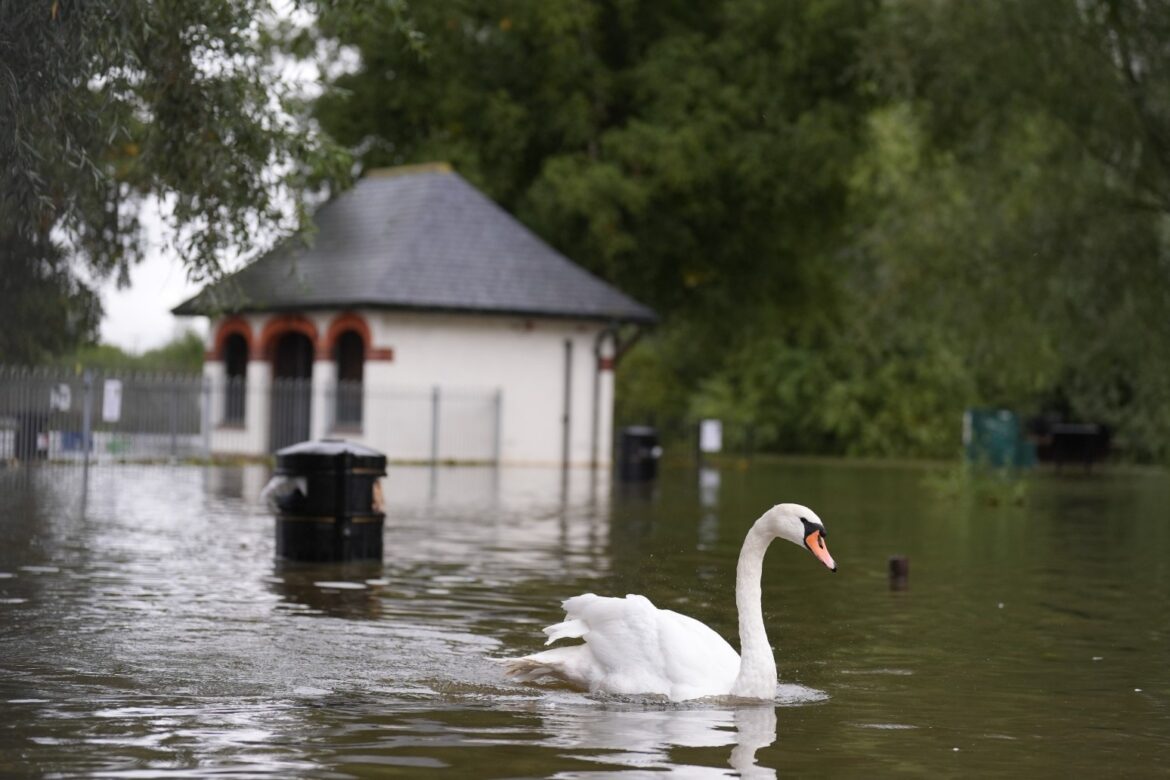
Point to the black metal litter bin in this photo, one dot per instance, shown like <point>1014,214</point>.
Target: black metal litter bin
<point>328,501</point>
<point>638,453</point>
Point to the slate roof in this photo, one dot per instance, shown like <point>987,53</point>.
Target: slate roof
<point>422,238</point>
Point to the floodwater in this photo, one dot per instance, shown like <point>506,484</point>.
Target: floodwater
<point>154,635</point>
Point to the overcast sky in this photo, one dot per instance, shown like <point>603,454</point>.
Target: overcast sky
<point>139,318</point>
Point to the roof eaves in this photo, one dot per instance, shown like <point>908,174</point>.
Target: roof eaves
<point>190,308</point>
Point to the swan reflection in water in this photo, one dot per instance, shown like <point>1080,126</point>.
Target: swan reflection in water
<point>643,738</point>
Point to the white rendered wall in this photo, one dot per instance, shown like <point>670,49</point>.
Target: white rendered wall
<point>476,362</point>
<point>524,359</point>
<point>251,438</point>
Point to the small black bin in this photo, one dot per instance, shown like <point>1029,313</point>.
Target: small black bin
<point>328,501</point>
<point>638,453</point>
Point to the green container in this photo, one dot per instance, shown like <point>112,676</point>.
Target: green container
<point>995,438</point>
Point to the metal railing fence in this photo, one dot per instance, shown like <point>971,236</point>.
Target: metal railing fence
<point>51,414</point>
<point>54,415</point>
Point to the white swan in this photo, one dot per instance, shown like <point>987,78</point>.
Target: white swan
<point>632,647</point>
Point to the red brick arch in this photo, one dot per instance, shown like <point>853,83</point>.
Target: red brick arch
<point>346,322</point>
<point>229,327</point>
<point>351,321</point>
<point>288,323</point>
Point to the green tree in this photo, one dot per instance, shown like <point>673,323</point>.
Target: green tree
<point>104,104</point>
<point>44,308</point>
<point>182,354</point>
<point>1027,221</point>
<point>698,156</point>
<point>856,218</point>
<point>678,151</point>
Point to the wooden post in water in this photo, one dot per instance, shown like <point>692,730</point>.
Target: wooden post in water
<point>899,572</point>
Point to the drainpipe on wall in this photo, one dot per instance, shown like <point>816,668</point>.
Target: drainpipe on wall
<point>566,419</point>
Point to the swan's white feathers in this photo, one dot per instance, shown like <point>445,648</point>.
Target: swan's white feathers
<point>568,629</point>
<point>571,664</point>
<point>632,647</point>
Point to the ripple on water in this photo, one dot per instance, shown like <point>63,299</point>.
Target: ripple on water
<point>340,585</point>
<point>787,695</point>
<point>794,695</point>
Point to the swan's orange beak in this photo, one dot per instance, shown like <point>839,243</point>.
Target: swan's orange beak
<point>815,542</point>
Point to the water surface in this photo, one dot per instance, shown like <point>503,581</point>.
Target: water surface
<point>153,634</point>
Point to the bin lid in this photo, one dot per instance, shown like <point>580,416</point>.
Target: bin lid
<point>639,430</point>
<point>322,455</point>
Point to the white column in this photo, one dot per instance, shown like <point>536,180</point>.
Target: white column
<point>258,407</point>
<point>213,374</point>
<point>605,396</point>
<point>324,386</point>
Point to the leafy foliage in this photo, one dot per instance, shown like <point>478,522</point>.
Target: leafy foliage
<point>626,132</point>
<point>183,354</point>
<point>44,309</point>
<point>1030,218</point>
<point>103,104</point>
<point>856,218</point>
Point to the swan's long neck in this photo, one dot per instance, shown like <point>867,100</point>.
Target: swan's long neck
<point>757,665</point>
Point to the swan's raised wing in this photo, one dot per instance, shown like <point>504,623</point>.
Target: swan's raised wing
<point>638,648</point>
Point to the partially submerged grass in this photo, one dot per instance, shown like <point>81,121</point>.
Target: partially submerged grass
<point>980,483</point>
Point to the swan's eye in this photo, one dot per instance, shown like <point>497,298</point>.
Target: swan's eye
<point>811,528</point>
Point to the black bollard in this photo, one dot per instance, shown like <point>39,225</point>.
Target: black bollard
<point>328,501</point>
<point>899,572</point>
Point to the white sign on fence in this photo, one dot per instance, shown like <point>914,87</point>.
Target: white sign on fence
<point>112,401</point>
<point>60,397</point>
<point>711,436</point>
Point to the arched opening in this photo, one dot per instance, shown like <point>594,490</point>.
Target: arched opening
<point>292,393</point>
<point>349,353</point>
<point>235,361</point>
